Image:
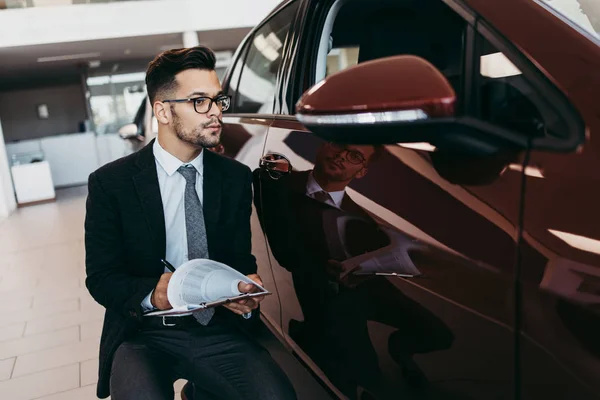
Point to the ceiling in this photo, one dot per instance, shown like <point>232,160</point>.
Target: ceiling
<point>19,66</point>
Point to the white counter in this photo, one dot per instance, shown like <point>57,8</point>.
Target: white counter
<point>33,182</point>
<point>73,157</point>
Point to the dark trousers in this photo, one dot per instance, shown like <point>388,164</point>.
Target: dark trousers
<point>337,334</point>
<point>221,361</point>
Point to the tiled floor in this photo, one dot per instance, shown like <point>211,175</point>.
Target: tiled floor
<point>49,324</point>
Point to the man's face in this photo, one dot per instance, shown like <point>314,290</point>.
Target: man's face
<point>342,163</point>
<point>198,130</point>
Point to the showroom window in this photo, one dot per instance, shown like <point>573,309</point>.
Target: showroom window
<point>115,99</point>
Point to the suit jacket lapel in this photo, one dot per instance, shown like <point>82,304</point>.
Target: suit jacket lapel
<point>211,187</point>
<point>350,206</point>
<point>298,181</point>
<point>148,190</point>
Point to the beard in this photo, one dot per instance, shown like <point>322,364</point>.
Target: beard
<point>199,136</point>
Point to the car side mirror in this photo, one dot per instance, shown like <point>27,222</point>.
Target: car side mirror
<point>368,99</point>
<point>399,99</point>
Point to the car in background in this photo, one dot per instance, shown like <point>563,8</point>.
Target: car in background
<point>456,254</point>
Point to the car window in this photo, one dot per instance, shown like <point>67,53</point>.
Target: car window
<point>338,59</point>
<point>388,29</point>
<point>256,88</point>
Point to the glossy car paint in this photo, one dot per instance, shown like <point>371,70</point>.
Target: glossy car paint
<point>469,234</point>
<point>362,91</point>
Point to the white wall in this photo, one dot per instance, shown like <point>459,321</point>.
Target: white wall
<point>8,203</point>
<point>73,157</point>
<point>42,25</point>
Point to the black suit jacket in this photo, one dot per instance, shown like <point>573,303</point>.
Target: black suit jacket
<point>294,226</point>
<point>293,221</point>
<point>125,237</point>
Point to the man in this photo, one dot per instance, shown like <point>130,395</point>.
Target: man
<point>174,200</point>
<point>302,209</point>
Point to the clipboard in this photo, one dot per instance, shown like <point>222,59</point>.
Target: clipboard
<point>187,310</point>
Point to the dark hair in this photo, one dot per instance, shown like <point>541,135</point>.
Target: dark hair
<point>160,76</point>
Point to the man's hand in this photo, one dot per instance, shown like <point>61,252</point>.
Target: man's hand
<point>343,275</point>
<point>337,272</point>
<point>159,295</point>
<point>246,305</point>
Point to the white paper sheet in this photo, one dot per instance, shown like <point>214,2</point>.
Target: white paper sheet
<point>202,283</point>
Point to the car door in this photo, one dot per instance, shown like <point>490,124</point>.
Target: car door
<point>442,327</point>
<point>559,265</point>
<point>448,221</point>
<point>554,288</point>
<point>560,356</point>
<point>557,274</point>
<point>251,83</point>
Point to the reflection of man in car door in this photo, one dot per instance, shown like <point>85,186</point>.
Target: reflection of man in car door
<point>337,305</point>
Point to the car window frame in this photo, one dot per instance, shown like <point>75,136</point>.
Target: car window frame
<point>293,77</point>
<point>575,124</point>
<point>239,57</point>
<point>242,49</point>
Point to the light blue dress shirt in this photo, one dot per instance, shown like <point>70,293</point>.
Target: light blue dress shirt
<point>172,190</point>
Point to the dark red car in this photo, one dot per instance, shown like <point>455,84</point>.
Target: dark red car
<point>426,175</point>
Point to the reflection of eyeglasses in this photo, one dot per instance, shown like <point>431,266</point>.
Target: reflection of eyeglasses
<point>203,104</point>
<point>353,156</point>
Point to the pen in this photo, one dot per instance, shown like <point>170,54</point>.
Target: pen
<point>394,274</point>
<point>168,265</point>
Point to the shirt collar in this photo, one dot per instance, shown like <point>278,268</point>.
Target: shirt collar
<point>171,164</point>
<point>312,187</point>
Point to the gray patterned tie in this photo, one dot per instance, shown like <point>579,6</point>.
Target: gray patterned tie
<point>323,197</point>
<point>195,228</point>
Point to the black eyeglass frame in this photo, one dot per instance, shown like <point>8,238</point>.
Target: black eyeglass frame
<point>220,97</point>
<point>339,149</point>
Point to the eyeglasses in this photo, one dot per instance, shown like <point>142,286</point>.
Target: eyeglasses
<point>203,104</point>
<point>353,156</point>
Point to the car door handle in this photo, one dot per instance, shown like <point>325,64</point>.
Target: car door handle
<point>276,165</point>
